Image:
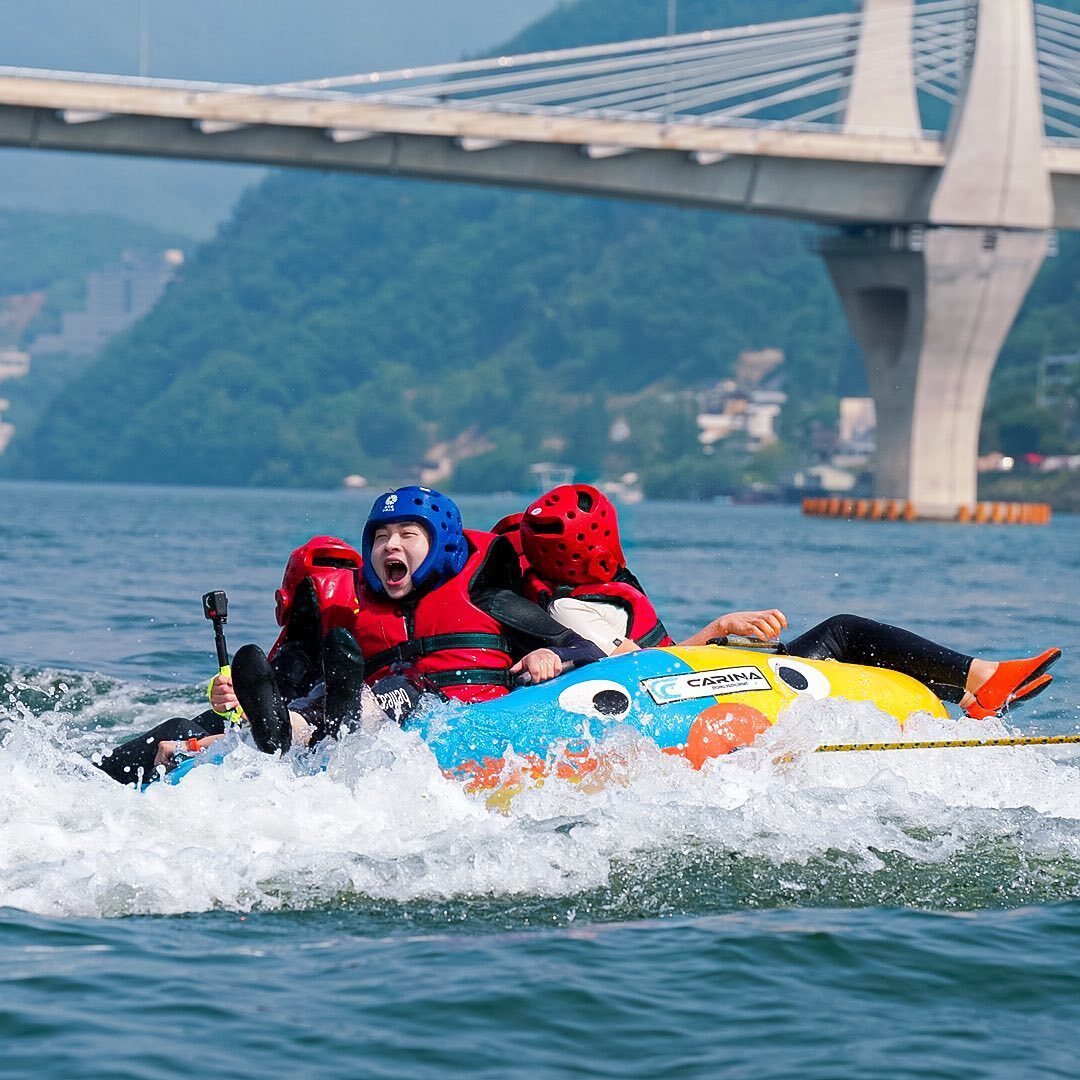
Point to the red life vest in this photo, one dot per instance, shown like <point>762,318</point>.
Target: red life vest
<point>444,636</point>
<point>643,624</point>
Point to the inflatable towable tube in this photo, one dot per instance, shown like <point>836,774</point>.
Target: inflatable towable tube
<point>698,702</point>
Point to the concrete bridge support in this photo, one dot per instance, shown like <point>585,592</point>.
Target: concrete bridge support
<point>930,310</point>
<point>930,306</point>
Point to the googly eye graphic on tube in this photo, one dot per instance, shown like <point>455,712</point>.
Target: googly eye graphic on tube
<point>598,697</point>
<point>800,677</point>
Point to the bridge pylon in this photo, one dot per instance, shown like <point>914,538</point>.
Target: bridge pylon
<point>930,310</point>
<point>930,305</point>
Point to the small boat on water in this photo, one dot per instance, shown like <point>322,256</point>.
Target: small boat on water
<point>697,702</point>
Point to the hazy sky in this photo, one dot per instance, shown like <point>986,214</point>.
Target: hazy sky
<point>254,40</point>
<point>228,40</point>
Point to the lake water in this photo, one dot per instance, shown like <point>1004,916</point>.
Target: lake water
<point>875,914</point>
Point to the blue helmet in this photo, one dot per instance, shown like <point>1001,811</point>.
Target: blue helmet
<point>438,514</point>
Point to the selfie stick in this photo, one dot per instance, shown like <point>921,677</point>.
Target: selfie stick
<point>216,609</point>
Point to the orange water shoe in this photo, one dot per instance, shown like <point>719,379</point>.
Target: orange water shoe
<point>1013,681</point>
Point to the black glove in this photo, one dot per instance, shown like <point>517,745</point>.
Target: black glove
<point>397,696</point>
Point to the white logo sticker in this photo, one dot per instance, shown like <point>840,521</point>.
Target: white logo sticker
<point>391,502</point>
<point>667,689</point>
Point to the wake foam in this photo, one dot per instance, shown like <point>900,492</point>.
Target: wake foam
<point>373,822</point>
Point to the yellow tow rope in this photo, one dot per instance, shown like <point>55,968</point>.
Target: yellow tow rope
<point>950,744</point>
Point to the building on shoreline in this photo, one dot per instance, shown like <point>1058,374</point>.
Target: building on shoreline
<point>749,403</point>
<point>14,364</point>
<point>115,298</point>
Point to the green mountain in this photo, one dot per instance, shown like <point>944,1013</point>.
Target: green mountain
<point>343,324</point>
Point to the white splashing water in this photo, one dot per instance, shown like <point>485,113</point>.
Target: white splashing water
<point>381,821</point>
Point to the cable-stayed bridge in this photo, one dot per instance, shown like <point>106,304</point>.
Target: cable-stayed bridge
<point>938,142</point>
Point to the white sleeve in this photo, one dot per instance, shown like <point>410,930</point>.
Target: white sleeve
<point>601,623</point>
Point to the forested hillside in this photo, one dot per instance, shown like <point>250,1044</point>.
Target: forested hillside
<point>341,324</point>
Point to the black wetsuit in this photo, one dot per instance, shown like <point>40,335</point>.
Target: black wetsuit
<point>856,640</point>
<point>133,762</point>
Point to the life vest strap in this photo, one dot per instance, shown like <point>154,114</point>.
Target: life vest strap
<point>471,677</point>
<point>410,651</point>
<point>653,636</point>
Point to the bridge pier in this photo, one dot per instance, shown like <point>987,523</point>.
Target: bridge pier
<point>930,309</point>
<point>930,305</point>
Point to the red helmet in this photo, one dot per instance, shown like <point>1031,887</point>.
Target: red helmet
<point>571,536</point>
<point>327,551</point>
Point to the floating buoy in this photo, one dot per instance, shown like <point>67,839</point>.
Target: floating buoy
<point>981,513</point>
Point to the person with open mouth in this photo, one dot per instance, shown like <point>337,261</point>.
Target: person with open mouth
<point>438,610</point>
